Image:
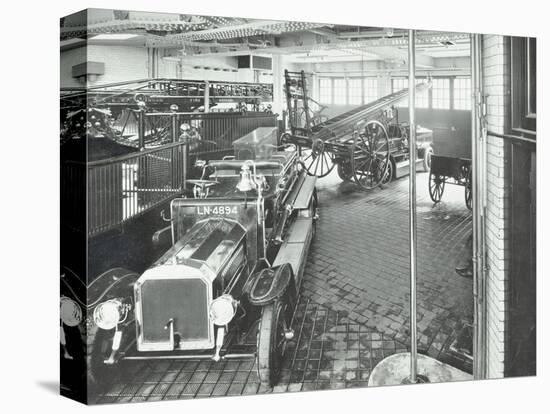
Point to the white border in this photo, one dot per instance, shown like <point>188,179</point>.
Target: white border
<point>30,195</point>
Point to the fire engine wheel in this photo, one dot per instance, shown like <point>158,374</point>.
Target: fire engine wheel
<point>271,342</point>
<point>316,160</point>
<point>436,187</point>
<point>100,341</point>
<point>370,155</point>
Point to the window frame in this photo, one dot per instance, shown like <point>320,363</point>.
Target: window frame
<point>366,98</point>
<point>523,87</point>
<point>331,91</point>
<point>449,96</point>
<point>454,94</point>
<point>405,103</point>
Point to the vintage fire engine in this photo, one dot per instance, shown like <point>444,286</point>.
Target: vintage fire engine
<point>227,287</point>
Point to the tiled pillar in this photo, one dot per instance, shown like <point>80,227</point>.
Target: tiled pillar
<point>497,91</point>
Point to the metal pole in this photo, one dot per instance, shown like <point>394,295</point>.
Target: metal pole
<point>141,129</point>
<point>206,97</point>
<point>477,210</point>
<point>412,201</point>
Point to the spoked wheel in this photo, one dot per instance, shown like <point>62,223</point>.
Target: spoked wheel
<point>468,190</point>
<point>388,177</point>
<point>370,155</point>
<point>271,342</point>
<point>317,160</point>
<point>436,187</point>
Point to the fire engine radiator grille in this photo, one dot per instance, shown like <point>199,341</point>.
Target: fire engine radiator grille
<point>183,300</point>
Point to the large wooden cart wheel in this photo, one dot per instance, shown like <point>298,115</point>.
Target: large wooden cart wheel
<point>317,160</point>
<point>271,342</point>
<point>370,155</point>
<point>436,187</point>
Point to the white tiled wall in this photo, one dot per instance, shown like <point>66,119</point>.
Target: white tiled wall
<point>495,83</point>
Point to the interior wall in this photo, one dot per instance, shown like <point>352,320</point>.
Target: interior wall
<point>68,59</point>
<point>127,63</point>
<point>496,86</point>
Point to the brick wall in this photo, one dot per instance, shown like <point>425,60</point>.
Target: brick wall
<point>496,88</point>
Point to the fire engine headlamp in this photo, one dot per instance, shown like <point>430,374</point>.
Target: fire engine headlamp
<point>108,314</point>
<point>70,312</point>
<point>223,309</point>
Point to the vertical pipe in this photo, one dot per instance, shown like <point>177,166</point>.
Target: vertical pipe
<point>206,97</point>
<point>478,348</point>
<point>481,180</point>
<point>141,129</point>
<point>412,201</point>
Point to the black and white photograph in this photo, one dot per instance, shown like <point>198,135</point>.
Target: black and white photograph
<point>261,206</point>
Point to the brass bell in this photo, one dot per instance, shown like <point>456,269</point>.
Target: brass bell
<point>246,183</point>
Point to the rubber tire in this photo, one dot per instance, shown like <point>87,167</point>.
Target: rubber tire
<point>269,363</point>
<point>427,161</point>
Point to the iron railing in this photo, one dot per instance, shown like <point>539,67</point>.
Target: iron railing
<point>124,187</point>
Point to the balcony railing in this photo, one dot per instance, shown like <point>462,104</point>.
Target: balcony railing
<point>124,187</point>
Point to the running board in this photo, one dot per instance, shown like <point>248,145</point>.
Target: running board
<point>295,248</point>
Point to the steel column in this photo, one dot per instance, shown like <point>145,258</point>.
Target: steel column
<point>141,129</point>
<point>412,203</point>
<point>478,186</point>
<point>206,97</point>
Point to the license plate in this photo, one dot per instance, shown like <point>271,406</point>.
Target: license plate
<point>213,210</point>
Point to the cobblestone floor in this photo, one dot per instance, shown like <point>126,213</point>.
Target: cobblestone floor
<point>353,308</point>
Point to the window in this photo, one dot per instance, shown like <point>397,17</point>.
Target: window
<point>523,80</point>
<point>340,91</point>
<point>354,85</point>
<point>441,94</point>
<point>421,98</point>
<point>462,93</point>
<point>396,86</point>
<point>371,89</point>
<point>325,90</point>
